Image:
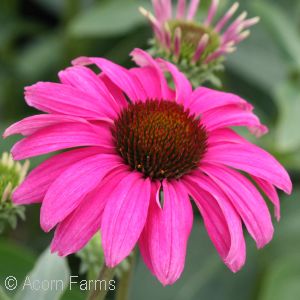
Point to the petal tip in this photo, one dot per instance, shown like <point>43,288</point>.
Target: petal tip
<point>81,61</point>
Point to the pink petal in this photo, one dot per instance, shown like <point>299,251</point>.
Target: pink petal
<point>148,80</point>
<point>200,48</point>
<point>183,87</point>
<point>143,241</point>
<point>114,90</point>
<point>33,189</point>
<point>74,232</point>
<point>167,9</point>
<point>181,9</point>
<point>157,26</point>
<point>247,201</point>
<point>228,15</point>
<point>251,159</point>
<point>86,80</point>
<point>118,75</point>
<point>157,81</point>
<point>211,12</point>
<point>124,217</point>
<point>32,124</point>
<point>225,135</point>
<point>194,4</point>
<point>222,222</point>
<point>271,193</point>
<point>160,10</point>
<point>157,8</point>
<point>204,99</point>
<point>166,233</point>
<point>231,115</point>
<point>59,98</point>
<point>57,137</point>
<point>71,187</point>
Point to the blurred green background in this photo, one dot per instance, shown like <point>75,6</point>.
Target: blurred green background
<point>40,37</point>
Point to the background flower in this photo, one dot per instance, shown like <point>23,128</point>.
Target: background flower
<point>198,47</point>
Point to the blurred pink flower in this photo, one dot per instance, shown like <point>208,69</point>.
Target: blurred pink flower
<point>141,151</point>
<point>180,35</point>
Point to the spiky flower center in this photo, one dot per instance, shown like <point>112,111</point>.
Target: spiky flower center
<point>191,34</point>
<point>159,139</point>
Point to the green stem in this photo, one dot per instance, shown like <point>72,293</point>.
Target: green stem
<point>123,288</point>
<point>106,274</point>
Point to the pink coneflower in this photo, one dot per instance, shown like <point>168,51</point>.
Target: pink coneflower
<point>141,152</point>
<point>197,46</point>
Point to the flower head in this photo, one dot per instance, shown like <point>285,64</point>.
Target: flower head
<point>141,151</point>
<point>198,47</point>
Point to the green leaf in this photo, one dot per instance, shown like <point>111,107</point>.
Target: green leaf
<point>51,277</point>
<point>282,29</point>
<point>287,97</point>
<point>41,56</point>
<point>111,18</point>
<point>55,6</point>
<point>3,295</point>
<point>282,280</point>
<point>15,260</point>
<point>259,61</point>
<point>291,160</point>
<point>286,239</point>
<point>74,294</point>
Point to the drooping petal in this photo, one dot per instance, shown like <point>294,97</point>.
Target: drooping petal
<point>148,80</point>
<point>143,241</point>
<point>80,179</point>
<point>124,217</point>
<point>57,137</point>
<point>158,80</point>
<point>271,193</point>
<point>86,80</point>
<point>114,90</point>
<point>32,124</point>
<point>204,99</point>
<point>222,222</point>
<point>57,98</point>
<point>166,233</point>
<point>230,115</point>
<point>183,87</point>
<point>33,189</point>
<point>251,159</point>
<point>247,201</point>
<point>118,75</point>
<point>81,225</point>
<point>225,135</point>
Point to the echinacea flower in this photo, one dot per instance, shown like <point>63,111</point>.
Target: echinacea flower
<point>141,151</point>
<point>197,46</point>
